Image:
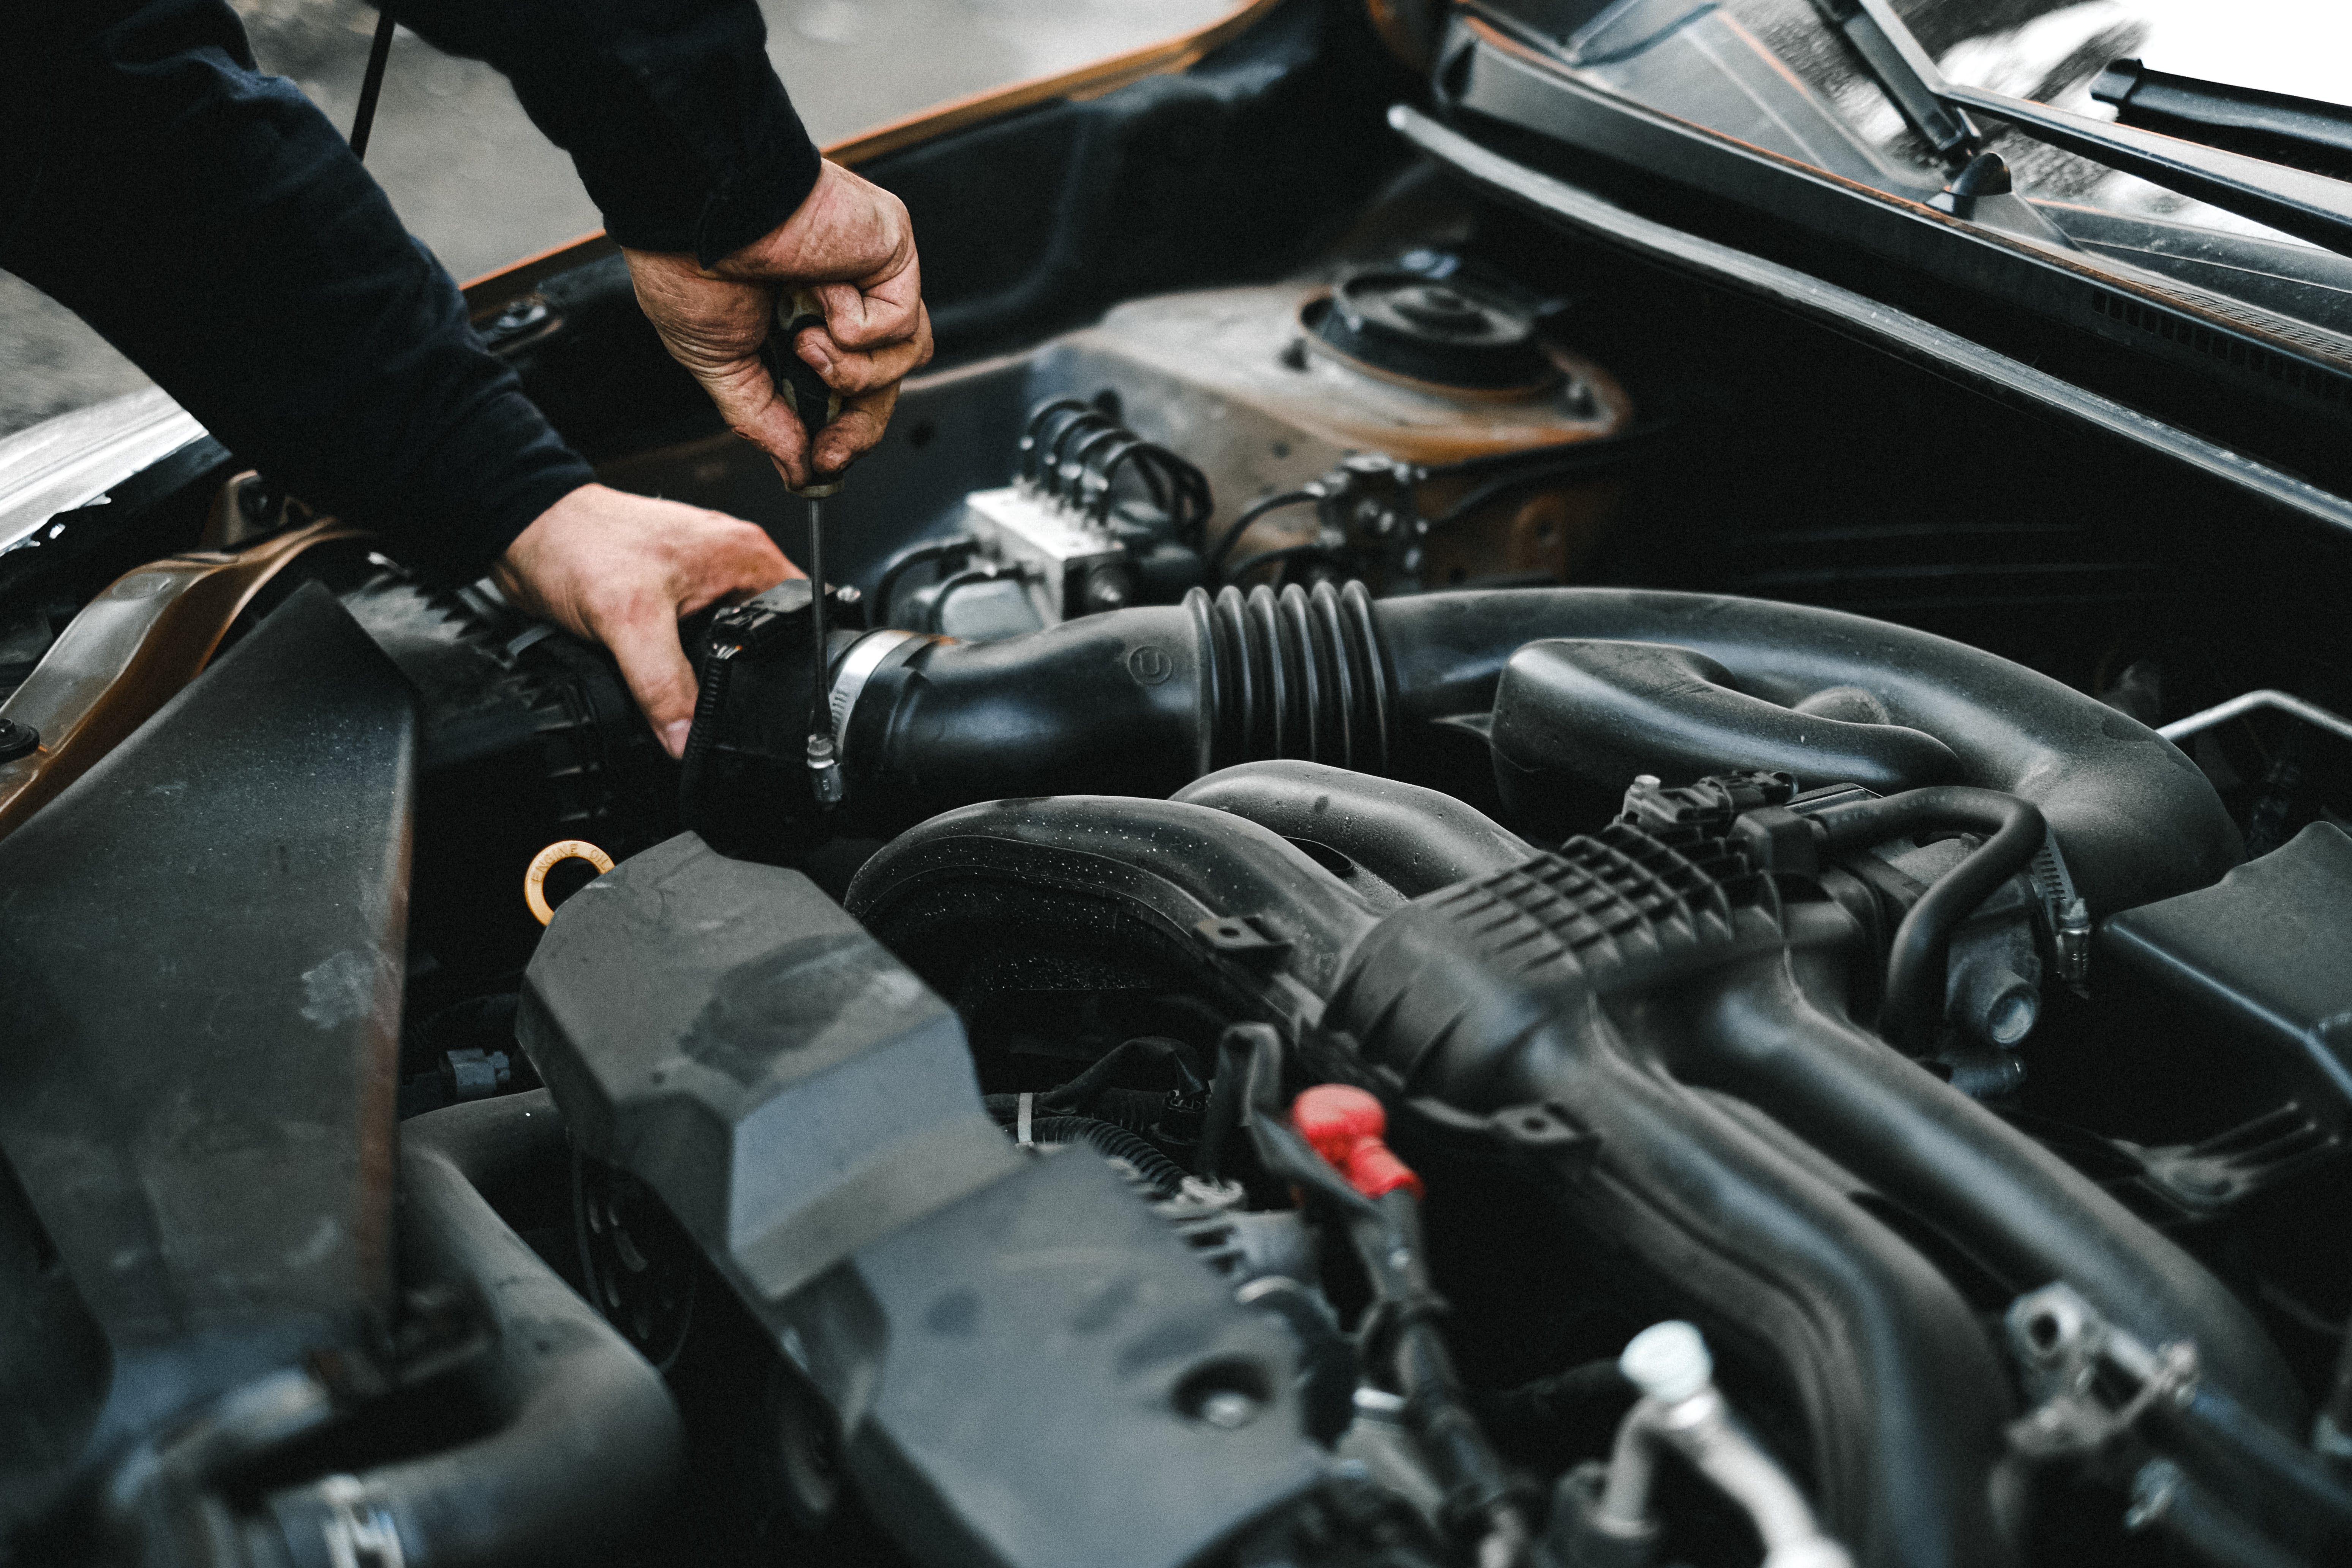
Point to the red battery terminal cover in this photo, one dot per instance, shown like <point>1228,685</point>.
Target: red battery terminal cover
<point>1345,1125</point>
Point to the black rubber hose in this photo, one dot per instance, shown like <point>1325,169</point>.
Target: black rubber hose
<point>1077,1095</point>
<point>1414,839</point>
<point>963,579</point>
<point>906,560</point>
<point>1137,1110</point>
<point>2021,1211</point>
<point>1403,1334</point>
<point>1040,876</point>
<point>1033,437</point>
<point>2272,1477</point>
<point>1250,514</point>
<point>1916,977</point>
<point>1160,1173</point>
<point>586,1445</point>
<point>1140,702</point>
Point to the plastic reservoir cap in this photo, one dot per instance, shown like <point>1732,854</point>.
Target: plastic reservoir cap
<point>1346,1125</point>
<point>1668,1362</point>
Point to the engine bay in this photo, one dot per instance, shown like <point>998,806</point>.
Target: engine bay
<point>1472,914</point>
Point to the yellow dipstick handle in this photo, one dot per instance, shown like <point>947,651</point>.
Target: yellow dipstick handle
<point>546,861</point>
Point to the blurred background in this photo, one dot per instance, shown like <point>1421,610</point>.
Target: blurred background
<point>476,182</point>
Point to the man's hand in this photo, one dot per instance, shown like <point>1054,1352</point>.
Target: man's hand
<point>621,569</point>
<point>851,245</point>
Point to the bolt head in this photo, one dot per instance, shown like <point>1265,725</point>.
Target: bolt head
<point>1228,1409</point>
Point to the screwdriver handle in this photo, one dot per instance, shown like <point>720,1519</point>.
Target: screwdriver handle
<point>813,403</point>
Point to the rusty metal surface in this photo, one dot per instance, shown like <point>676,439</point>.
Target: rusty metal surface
<point>128,652</point>
<point>1224,377</point>
<point>1234,349</point>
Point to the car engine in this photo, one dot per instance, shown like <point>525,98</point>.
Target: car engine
<point>1367,992</point>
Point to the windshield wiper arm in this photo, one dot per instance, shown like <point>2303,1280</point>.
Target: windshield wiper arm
<point>2302,132</point>
<point>1948,131</point>
<point>2312,206</point>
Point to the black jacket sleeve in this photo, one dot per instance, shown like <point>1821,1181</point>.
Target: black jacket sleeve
<point>211,224</point>
<point>669,109</point>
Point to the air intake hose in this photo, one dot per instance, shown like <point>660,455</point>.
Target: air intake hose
<point>585,1443</point>
<point>1141,701</point>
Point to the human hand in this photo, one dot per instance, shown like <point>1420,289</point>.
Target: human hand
<point>851,246</point>
<point>621,569</point>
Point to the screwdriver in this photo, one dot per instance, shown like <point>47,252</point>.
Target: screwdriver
<point>815,406</point>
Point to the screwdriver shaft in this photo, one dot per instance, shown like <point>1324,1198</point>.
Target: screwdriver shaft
<point>820,715</point>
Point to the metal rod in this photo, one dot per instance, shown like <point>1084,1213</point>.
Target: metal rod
<point>371,85</point>
<point>820,716</point>
<point>2252,702</point>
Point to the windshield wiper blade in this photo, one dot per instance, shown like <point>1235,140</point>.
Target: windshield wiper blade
<point>2302,132</point>
<point>1948,131</point>
<point>2311,206</point>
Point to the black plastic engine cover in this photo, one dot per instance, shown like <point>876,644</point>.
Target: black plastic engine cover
<point>1017,1349</point>
<point>201,965</point>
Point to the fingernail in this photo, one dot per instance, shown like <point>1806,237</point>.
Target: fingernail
<point>673,737</point>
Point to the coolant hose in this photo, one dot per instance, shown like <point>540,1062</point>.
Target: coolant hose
<point>587,1443</point>
<point>1917,966</point>
<point>1142,702</point>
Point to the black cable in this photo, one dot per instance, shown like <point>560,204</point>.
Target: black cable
<point>1400,1330</point>
<point>1164,1174</point>
<point>1249,1059</point>
<point>906,560</point>
<point>1137,1110</point>
<point>1071,478</point>
<point>1179,490</point>
<point>1033,433</point>
<point>1187,501</point>
<point>371,84</point>
<point>963,579</point>
<point>1072,451</point>
<point>1077,1095</point>
<point>1915,978</point>
<point>1250,514</point>
<point>1166,485</point>
<point>1094,423</point>
<point>1095,485</point>
<point>1249,564</point>
<point>1569,460</point>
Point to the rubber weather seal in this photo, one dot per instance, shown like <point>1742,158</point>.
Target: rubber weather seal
<point>1858,315</point>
